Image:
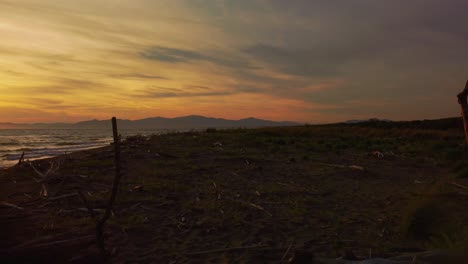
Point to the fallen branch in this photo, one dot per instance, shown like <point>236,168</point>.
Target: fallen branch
<point>224,250</point>
<point>12,205</point>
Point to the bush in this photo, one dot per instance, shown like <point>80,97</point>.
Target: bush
<point>431,220</point>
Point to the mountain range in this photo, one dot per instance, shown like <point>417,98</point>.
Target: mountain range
<point>185,122</point>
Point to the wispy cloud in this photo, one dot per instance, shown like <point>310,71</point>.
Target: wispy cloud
<point>176,55</point>
<point>164,92</point>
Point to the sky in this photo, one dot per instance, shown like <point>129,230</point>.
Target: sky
<point>298,60</point>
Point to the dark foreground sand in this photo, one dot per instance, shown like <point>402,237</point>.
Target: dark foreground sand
<point>246,196</point>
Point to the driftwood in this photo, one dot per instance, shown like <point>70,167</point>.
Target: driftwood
<point>459,185</point>
<point>252,205</point>
<point>463,101</point>
<point>88,206</point>
<point>21,159</point>
<point>62,196</point>
<point>34,246</point>
<point>115,187</point>
<point>12,205</point>
<point>224,250</point>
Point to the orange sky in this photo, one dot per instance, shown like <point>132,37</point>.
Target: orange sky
<point>67,61</point>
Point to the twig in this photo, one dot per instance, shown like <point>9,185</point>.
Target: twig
<point>115,188</point>
<point>260,208</point>
<point>253,205</point>
<point>459,185</point>
<point>223,250</point>
<point>21,159</point>
<point>61,196</point>
<point>12,205</point>
<point>286,253</point>
<point>88,206</point>
<point>46,245</point>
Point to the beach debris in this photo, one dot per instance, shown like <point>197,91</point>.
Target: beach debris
<point>88,206</point>
<point>52,170</point>
<point>137,188</point>
<point>459,185</point>
<point>260,208</point>
<point>218,144</point>
<point>11,205</point>
<point>252,205</point>
<point>224,250</point>
<point>62,196</point>
<point>44,192</point>
<point>356,167</point>
<point>21,159</point>
<point>377,154</point>
<point>286,253</point>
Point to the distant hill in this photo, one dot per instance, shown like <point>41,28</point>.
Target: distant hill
<point>185,122</point>
<point>438,124</point>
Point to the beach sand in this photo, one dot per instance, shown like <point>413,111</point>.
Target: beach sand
<point>234,196</point>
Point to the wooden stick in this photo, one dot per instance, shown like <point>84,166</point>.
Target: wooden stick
<point>46,245</point>
<point>61,196</point>
<point>253,205</point>
<point>463,101</point>
<point>223,250</point>
<point>459,185</point>
<point>286,253</point>
<point>21,159</point>
<point>12,205</point>
<point>115,188</point>
<point>88,206</point>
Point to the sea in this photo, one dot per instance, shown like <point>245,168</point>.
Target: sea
<point>44,143</point>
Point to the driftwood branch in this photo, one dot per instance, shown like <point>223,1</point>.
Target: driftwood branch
<point>88,206</point>
<point>463,101</point>
<point>115,188</point>
<point>459,185</point>
<point>21,159</point>
<point>62,196</point>
<point>12,205</point>
<point>224,250</point>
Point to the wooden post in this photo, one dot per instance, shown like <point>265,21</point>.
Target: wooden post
<point>463,101</point>
<point>115,188</point>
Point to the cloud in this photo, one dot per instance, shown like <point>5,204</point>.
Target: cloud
<point>164,92</point>
<point>177,55</point>
<point>138,76</point>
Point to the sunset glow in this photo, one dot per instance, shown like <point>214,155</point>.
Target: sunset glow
<point>307,61</point>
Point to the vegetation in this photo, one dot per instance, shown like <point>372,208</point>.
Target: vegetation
<point>322,188</point>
